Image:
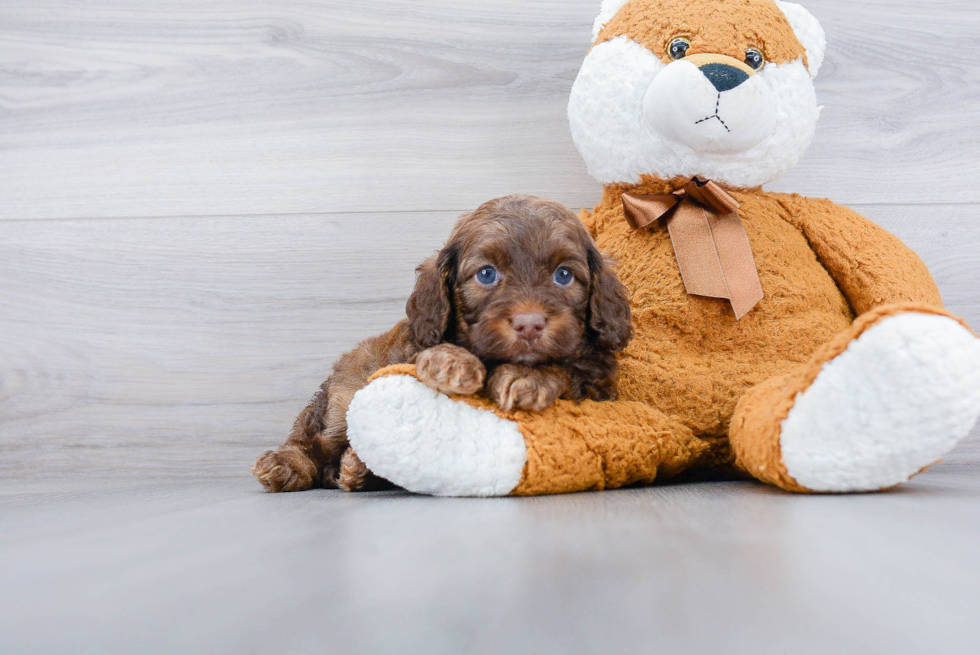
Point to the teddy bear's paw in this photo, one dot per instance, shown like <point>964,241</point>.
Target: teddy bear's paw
<point>898,399</point>
<point>429,443</point>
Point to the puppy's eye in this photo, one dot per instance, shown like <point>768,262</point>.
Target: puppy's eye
<point>487,276</point>
<point>678,48</point>
<point>755,59</point>
<point>563,277</point>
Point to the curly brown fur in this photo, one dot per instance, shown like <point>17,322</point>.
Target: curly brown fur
<point>526,241</point>
<point>546,326</point>
<point>311,455</point>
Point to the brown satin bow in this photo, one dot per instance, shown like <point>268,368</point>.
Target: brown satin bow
<point>712,249</point>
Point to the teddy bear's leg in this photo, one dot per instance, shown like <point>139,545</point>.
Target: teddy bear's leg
<point>881,402</point>
<point>430,443</point>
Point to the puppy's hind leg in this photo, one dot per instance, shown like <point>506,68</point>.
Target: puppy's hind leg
<point>311,455</point>
<point>355,476</point>
<point>296,464</point>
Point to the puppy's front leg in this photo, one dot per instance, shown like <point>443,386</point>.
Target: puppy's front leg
<point>451,369</point>
<point>513,386</point>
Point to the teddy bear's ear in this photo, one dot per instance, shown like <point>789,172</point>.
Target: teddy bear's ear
<point>808,31</point>
<point>606,12</point>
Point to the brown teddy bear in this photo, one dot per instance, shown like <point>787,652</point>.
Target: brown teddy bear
<point>788,337</point>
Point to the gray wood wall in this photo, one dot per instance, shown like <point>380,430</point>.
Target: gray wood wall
<point>203,204</point>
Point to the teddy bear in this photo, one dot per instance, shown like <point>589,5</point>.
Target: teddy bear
<point>780,337</point>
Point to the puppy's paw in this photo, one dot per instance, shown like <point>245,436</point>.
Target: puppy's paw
<point>285,469</point>
<point>354,475</point>
<point>451,369</point>
<point>522,387</point>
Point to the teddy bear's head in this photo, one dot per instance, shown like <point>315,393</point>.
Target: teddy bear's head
<point>717,88</point>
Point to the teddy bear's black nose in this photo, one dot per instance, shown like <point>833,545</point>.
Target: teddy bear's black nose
<point>724,77</point>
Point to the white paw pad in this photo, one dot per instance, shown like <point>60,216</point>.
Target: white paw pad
<point>897,400</point>
<point>428,443</point>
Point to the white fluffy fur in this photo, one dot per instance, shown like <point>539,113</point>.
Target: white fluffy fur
<point>682,105</point>
<point>607,10</point>
<point>809,32</point>
<point>428,443</point>
<point>898,399</point>
<point>618,144</point>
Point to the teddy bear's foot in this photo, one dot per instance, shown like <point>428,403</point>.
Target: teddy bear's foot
<point>899,398</point>
<point>429,443</point>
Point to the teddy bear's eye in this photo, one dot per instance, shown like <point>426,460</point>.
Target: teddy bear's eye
<point>678,48</point>
<point>755,59</point>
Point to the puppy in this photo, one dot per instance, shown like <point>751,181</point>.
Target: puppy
<point>519,305</point>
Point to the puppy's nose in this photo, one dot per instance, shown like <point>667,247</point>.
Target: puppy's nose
<point>529,325</point>
<point>724,77</point>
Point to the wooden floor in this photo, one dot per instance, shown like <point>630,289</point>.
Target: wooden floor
<point>203,204</point>
<point>220,567</point>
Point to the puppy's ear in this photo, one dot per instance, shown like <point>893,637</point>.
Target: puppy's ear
<point>609,305</point>
<point>430,305</point>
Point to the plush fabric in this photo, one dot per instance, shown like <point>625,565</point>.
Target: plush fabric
<point>848,376</point>
<point>690,357</point>
<point>915,374</point>
<point>757,425</point>
<point>728,28</point>
<point>473,453</point>
<point>806,28</point>
<point>606,113</point>
<point>808,32</point>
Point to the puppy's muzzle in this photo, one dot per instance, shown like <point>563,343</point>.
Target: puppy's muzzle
<point>529,325</point>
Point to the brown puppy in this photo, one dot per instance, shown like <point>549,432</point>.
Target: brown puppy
<point>519,298</point>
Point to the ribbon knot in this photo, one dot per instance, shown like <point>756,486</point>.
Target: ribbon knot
<point>712,249</point>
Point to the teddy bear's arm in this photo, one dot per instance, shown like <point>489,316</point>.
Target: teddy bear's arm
<point>871,266</point>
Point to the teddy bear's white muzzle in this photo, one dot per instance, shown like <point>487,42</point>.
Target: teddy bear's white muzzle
<point>709,112</point>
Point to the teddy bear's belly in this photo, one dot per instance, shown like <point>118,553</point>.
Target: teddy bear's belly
<point>690,357</point>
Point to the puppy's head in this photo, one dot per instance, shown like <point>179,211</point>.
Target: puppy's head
<point>520,280</point>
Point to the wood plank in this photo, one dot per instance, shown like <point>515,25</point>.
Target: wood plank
<point>165,342</point>
<point>946,238</point>
<point>220,567</point>
<point>233,107</point>
<point>186,346</point>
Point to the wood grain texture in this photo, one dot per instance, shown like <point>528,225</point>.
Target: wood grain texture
<point>203,204</point>
<point>175,342</point>
<point>734,568</point>
<point>185,346</point>
<point>242,107</point>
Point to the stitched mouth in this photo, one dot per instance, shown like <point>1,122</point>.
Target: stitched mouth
<point>714,116</point>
